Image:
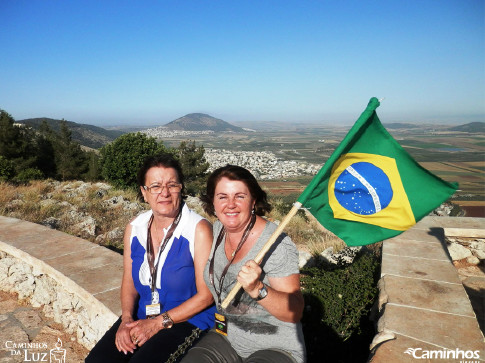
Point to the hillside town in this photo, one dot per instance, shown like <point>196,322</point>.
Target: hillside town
<point>263,164</point>
<point>162,132</point>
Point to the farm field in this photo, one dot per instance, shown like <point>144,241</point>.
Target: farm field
<point>469,175</point>
<point>453,156</point>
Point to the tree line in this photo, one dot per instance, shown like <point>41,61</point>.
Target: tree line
<point>27,154</point>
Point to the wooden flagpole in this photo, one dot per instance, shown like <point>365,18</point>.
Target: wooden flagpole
<point>259,257</point>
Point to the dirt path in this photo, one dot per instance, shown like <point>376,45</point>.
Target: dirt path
<point>26,334</point>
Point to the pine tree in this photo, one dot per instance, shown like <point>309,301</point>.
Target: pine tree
<point>71,160</point>
<point>17,143</point>
<point>94,169</point>
<point>10,137</point>
<point>194,166</point>
<point>45,150</point>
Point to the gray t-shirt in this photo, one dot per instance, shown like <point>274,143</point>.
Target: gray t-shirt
<point>250,327</point>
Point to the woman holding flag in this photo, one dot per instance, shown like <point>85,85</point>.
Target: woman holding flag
<point>262,323</point>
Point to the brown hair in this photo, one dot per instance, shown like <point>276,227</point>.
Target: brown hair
<point>164,160</point>
<point>234,172</point>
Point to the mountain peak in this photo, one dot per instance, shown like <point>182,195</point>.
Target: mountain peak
<point>201,122</point>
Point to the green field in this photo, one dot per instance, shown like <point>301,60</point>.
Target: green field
<point>449,152</point>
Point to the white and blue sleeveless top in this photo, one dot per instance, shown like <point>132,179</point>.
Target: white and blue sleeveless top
<point>175,274</point>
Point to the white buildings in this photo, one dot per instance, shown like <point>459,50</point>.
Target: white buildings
<point>263,164</point>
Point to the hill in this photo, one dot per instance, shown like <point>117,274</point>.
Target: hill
<point>87,135</point>
<point>473,127</point>
<point>201,122</point>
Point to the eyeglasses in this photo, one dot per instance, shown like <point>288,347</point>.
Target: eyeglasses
<point>157,189</point>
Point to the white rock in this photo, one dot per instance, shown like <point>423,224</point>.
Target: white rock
<point>478,245</point>
<point>15,203</point>
<point>75,217</point>
<point>48,202</point>
<point>87,228</point>
<point>383,336</point>
<point>26,288</point>
<point>327,256</point>
<point>99,326</point>
<point>48,311</point>
<point>5,264</point>
<point>473,260</point>
<point>303,258</point>
<point>458,252</point>
<point>44,292</point>
<point>68,205</point>
<point>132,206</point>
<point>36,271</point>
<point>63,301</point>
<point>479,254</point>
<point>114,202</point>
<point>18,273</point>
<point>348,254</point>
<point>103,186</point>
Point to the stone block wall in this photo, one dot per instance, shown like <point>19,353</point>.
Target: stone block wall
<point>60,298</point>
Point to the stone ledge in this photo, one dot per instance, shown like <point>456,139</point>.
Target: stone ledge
<point>61,298</point>
<point>423,306</point>
<point>33,265</point>
<point>464,232</point>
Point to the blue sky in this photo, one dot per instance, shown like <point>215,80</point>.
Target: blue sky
<point>149,62</point>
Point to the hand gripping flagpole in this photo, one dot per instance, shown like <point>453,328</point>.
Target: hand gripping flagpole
<point>259,257</point>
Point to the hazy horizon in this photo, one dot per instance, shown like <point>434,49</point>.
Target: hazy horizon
<point>241,123</point>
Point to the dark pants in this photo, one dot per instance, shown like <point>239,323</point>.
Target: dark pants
<point>157,349</point>
<point>215,348</point>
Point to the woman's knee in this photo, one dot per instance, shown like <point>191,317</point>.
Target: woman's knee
<point>270,356</point>
<point>212,348</point>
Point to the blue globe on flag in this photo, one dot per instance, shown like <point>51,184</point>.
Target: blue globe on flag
<point>363,188</point>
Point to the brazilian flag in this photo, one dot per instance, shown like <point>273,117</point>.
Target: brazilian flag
<point>371,189</point>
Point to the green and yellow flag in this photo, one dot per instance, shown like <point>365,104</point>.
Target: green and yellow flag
<point>371,189</point>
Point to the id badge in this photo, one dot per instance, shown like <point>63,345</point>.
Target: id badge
<point>152,310</point>
<point>155,297</point>
<point>221,324</point>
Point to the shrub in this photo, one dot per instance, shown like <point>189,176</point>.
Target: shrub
<point>29,174</point>
<point>6,169</point>
<point>121,159</point>
<point>338,300</point>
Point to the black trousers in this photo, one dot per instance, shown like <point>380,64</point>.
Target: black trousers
<point>157,349</point>
<point>215,348</point>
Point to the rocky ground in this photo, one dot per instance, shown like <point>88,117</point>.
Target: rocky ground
<point>26,334</point>
<point>468,255</point>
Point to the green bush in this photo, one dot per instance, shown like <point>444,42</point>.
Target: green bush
<point>29,174</point>
<point>338,300</point>
<point>6,169</point>
<point>121,159</point>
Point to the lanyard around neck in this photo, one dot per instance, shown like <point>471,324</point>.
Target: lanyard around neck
<point>220,237</point>
<point>150,248</point>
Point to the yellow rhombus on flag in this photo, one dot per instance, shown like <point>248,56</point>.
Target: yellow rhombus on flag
<point>371,189</point>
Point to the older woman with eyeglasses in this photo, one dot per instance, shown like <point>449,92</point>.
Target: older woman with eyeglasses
<point>164,299</point>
